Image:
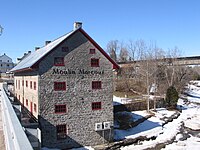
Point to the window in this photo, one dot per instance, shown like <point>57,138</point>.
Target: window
<point>18,84</point>
<point>94,62</point>
<point>96,105</point>
<point>19,97</point>
<point>59,61</point>
<point>7,65</point>
<point>60,109</point>
<point>61,131</point>
<point>22,82</point>
<point>92,51</point>
<point>35,107</point>
<point>65,49</point>
<point>96,84</point>
<point>31,84</point>
<point>26,102</point>
<point>26,83</point>
<point>34,85</point>
<point>59,86</point>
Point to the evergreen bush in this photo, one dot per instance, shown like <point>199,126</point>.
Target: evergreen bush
<point>171,98</point>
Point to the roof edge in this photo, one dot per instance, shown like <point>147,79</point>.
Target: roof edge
<point>21,70</point>
<point>115,65</point>
<point>36,63</point>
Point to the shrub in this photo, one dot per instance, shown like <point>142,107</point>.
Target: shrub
<point>124,119</point>
<point>171,98</point>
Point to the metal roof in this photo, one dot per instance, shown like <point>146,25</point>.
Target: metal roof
<point>35,56</point>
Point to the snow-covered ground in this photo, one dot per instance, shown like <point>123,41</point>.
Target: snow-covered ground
<point>182,133</point>
<point>120,100</point>
<point>149,128</point>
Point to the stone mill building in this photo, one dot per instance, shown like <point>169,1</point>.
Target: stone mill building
<point>67,85</point>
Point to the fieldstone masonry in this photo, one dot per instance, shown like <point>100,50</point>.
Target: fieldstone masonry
<point>78,96</point>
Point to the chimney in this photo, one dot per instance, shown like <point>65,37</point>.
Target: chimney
<point>77,25</point>
<point>36,48</point>
<point>47,42</point>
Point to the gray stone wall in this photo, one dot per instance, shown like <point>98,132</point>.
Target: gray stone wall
<point>79,95</point>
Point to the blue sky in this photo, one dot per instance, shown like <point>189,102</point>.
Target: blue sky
<point>29,23</point>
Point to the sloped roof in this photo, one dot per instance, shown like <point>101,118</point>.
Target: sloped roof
<point>28,62</point>
<point>5,56</point>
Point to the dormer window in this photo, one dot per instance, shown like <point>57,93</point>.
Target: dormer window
<point>92,51</point>
<point>94,62</point>
<point>59,61</point>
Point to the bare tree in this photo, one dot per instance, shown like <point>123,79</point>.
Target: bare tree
<point>172,56</point>
<point>150,66</point>
<point>136,49</point>
<point>123,54</point>
<point>131,49</point>
<point>113,48</point>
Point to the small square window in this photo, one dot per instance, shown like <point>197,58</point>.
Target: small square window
<point>96,85</point>
<point>61,131</point>
<point>59,61</point>
<point>59,86</point>
<point>92,51</point>
<point>60,109</point>
<point>94,62</point>
<point>96,105</point>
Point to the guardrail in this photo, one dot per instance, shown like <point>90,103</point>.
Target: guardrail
<point>15,137</point>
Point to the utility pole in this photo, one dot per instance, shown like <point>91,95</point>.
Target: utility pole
<point>147,75</point>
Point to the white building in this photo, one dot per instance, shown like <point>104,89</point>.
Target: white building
<point>6,63</point>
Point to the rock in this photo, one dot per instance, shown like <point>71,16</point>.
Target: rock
<point>181,144</point>
<point>179,137</point>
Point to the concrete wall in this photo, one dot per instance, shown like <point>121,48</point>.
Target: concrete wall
<point>79,95</point>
